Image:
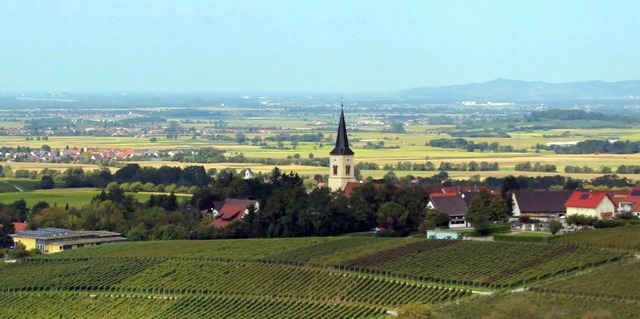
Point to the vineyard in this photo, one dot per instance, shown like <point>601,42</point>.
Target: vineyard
<point>627,238</point>
<point>196,276</point>
<point>474,263</point>
<point>317,250</point>
<point>540,305</point>
<point>52,305</point>
<point>340,277</point>
<point>620,281</point>
<point>457,263</point>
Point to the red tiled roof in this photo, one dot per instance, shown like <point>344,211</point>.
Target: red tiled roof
<point>20,226</point>
<point>586,199</point>
<point>443,195</point>
<point>348,189</point>
<point>632,196</point>
<point>230,210</point>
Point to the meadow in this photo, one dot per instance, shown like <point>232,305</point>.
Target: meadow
<point>74,197</point>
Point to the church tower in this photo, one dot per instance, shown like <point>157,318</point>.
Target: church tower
<point>341,166</point>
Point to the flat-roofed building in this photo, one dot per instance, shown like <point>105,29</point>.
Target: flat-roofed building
<point>52,240</point>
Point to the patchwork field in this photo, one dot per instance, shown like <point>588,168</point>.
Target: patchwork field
<point>403,147</point>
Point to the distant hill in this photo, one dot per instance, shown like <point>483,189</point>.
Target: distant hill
<point>513,90</point>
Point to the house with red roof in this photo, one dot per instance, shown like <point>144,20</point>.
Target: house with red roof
<point>629,203</point>
<point>229,210</point>
<point>20,226</point>
<point>17,226</point>
<point>590,203</point>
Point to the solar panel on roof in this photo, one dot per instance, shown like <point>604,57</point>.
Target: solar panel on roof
<point>43,232</point>
<point>584,196</point>
<point>635,192</point>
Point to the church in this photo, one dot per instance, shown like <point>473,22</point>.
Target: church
<point>341,166</point>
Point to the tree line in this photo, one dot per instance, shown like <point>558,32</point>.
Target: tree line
<point>597,147</point>
<point>470,146</point>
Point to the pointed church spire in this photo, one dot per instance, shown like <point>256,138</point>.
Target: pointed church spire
<point>342,143</point>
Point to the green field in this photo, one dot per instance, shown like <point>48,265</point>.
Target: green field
<point>75,197</point>
<point>10,185</point>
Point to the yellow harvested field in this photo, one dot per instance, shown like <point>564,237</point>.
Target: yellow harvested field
<point>407,147</point>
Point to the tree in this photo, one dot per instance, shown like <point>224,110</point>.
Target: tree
<point>555,226</point>
<point>74,177</point>
<point>416,310</point>
<point>54,216</point>
<point>6,230</point>
<point>46,182</point>
<point>499,210</point>
<point>392,216</point>
<point>364,204</point>
<point>37,207</point>
<point>19,251</point>
<point>240,138</point>
<point>436,218</point>
<point>479,213</point>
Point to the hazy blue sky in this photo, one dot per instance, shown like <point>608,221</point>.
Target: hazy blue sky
<point>308,45</point>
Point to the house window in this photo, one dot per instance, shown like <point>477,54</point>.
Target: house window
<point>347,169</point>
<point>335,169</point>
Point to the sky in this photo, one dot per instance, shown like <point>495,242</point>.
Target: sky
<point>311,46</point>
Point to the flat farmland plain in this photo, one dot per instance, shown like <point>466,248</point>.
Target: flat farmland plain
<point>398,147</point>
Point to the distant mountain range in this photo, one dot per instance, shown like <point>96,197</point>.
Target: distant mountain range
<point>503,90</point>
